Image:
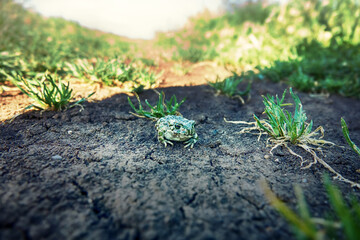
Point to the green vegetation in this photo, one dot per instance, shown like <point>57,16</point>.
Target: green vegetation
<point>31,45</point>
<point>284,128</point>
<point>99,70</point>
<point>113,72</point>
<point>347,137</point>
<point>48,93</point>
<point>9,65</point>
<point>345,221</point>
<point>333,69</point>
<point>312,45</point>
<point>180,69</point>
<point>161,109</point>
<point>281,124</point>
<point>229,87</point>
<point>46,41</point>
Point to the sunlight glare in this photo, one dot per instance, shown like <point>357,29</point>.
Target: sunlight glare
<point>134,19</point>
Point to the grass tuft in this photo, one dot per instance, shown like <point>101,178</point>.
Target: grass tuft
<point>281,124</point>
<point>10,64</point>
<point>48,93</point>
<point>113,73</point>
<point>285,128</point>
<point>106,72</point>
<point>161,109</point>
<point>229,87</point>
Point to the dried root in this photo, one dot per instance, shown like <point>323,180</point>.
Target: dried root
<point>308,142</point>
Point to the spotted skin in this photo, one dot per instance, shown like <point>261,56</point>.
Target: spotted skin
<point>176,128</point>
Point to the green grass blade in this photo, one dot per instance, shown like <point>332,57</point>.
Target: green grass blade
<point>132,106</point>
<point>260,125</point>
<point>303,209</point>
<point>347,137</point>
<point>297,221</point>
<point>350,226</point>
<point>150,106</point>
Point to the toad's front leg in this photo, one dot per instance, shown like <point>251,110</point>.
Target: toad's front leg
<point>163,140</point>
<point>191,141</point>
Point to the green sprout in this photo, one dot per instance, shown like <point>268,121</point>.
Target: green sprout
<point>284,128</point>
<point>48,93</point>
<point>302,222</point>
<point>281,124</point>
<point>106,72</point>
<point>161,109</point>
<point>347,137</point>
<point>229,87</point>
<point>307,227</point>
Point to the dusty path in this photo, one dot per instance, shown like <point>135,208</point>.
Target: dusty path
<point>101,174</point>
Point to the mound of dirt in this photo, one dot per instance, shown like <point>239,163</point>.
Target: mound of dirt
<point>100,173</point>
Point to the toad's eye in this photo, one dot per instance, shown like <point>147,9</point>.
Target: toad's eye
<point>177,126</point>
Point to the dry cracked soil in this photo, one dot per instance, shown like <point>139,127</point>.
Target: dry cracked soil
<point>100,173</point>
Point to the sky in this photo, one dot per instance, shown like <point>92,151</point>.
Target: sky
<point>130,18</point>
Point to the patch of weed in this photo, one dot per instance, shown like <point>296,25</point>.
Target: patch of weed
<point>99,70</point>
<point>192,54</point>
<point>285,128</point>
<point>148,62</point>
<point>113,72</point>
<point>161,109</point>
<point>229,87</point>
<point>10,66</point>
<point>48,93</point>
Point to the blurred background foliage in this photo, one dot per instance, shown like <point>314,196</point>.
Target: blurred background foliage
<point>31,44</point>
<point>313,45</point>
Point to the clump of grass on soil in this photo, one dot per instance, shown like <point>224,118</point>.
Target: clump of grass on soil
<point>285,128</point>
<point>229,87</point>
<point>48,93</point>
<point>161,109</point>
<point>113,72</point>
<point>99,70</point>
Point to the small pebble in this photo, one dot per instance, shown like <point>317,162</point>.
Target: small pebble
<point>304,180</point>
<point>266,156</point>
<point>70,132</point>
<point>56,157</point>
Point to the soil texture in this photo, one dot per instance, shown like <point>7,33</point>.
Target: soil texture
<point>100,173</point>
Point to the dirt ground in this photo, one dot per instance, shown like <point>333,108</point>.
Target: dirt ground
<point>100,173</point>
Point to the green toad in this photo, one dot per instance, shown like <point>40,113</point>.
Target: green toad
<point>176,128</point>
